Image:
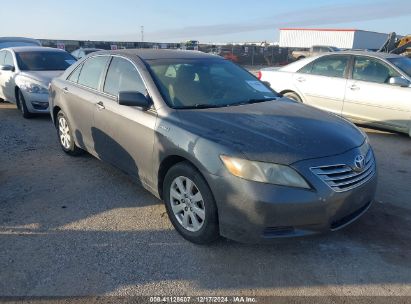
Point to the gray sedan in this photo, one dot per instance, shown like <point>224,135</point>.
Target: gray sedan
<point>25,74</point>
<point>226,153</point>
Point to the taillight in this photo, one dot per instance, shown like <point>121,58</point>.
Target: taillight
<point>259,75</point>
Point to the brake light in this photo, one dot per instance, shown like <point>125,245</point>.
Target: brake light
<point>259,74</point>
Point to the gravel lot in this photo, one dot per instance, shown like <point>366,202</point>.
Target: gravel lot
<point>75,226</point>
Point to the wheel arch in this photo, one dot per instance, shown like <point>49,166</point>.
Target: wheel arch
<point>291,91</point>
<point>56,110</point>
<point>165,165</point>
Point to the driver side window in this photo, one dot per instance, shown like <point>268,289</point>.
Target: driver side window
<point>8,59</point>
<point>372,70</point>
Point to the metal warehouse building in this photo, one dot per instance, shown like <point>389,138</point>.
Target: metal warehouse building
<point>341,38</point>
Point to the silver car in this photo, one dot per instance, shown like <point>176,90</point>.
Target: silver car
<point>366,87</point>
<point>227,154</point>
<point>25,74</point>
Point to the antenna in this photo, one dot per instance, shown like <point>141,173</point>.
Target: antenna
<point>142,33</point>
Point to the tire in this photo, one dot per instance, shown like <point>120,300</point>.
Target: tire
<point>21,105</point>
<point>193,213</point>
<point>301,57</point>
<point>293,96</point>
<point>65,135</point>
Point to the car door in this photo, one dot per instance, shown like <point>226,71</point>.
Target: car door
<point>81,93</point>
<point>7,78</point>
<point>124,135</point>
<point>370,97</point>
<point>323,81</point>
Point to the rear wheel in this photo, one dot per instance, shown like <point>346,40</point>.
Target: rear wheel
<point>21,104</point>
<point>65,135</point>
<point>293,96</point>
<point>190,204</point>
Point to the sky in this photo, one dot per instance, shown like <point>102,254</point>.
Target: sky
<point>202,20</point>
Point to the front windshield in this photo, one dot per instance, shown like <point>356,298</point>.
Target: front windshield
<point>404,64</point>
<point>44,61</point>
<point>206,83</point>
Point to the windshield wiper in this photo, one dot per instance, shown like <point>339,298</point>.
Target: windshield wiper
<point>200,106</point>
<point>253,100</point>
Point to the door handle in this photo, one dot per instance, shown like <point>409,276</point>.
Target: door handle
<point>100,105</point>
<point>300,79</point>
<point>354,87</point>
<point>65,90</point>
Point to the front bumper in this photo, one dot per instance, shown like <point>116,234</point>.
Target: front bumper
<point>253,212</point>
<point>37,103</point>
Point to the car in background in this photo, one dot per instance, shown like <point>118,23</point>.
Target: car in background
<point>226,153</point>
<point>313,51</point>
<point>25,74</point>
<point>366,87</point>
<point>83,52</point>
<point>6,42</point>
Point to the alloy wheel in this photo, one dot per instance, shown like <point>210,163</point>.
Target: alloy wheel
<point>64,133</point>
<point>187,204</point>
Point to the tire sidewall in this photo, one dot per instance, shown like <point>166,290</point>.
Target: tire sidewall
<point>22,105</point>
<point>72,145</point>
<point>209,230</point>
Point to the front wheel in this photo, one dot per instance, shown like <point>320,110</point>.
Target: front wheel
<point>21,104</point>
<point>65,135</point>
<point>190,204</point>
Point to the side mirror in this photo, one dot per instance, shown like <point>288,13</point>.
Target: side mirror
<point>7,67</point>
<point>133,99</point>
<point>399,81</point>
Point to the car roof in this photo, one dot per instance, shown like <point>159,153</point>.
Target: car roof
<point>367,53</point>
<point>19,49</point>
<point>150,54</point>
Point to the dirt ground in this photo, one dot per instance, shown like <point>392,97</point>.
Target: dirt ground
<point>76,226</point>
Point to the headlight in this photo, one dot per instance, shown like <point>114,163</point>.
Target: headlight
<point>35,88</point>
<point>264,172</point>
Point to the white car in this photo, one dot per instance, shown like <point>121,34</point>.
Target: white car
<point>365,87</point>
<point>25,74</point>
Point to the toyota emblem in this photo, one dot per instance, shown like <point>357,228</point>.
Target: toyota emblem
<point>359,163</point>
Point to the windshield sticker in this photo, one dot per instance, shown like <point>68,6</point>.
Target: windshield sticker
<point>70,61</point>
<point>258,86</point>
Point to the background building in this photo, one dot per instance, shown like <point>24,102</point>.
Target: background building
<point>341,38</point>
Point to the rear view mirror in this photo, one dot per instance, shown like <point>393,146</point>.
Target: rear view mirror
<point>133,99</point>
<point>7,68</point>
<point>399,81</point>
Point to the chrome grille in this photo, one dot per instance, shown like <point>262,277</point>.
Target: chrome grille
<point>343,177</point>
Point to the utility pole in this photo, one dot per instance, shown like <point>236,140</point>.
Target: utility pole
<point>142,33</point>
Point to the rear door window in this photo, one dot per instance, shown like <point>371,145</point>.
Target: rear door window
<point>330,66</point>
<point>75,75</point>
<point>92,71</point>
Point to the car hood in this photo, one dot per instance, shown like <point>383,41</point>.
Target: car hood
<point>43,77</point>
<point>280,131</point>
